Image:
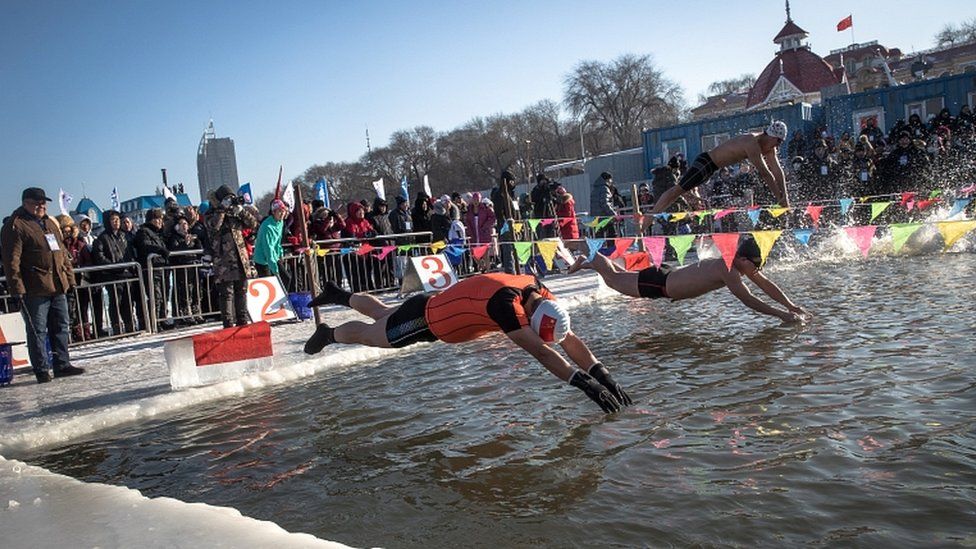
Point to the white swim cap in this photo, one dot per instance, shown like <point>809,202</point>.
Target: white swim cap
<point>777,128</point>
<point>550,321</point>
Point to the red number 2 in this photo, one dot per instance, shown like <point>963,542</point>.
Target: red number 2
<point>436,267</point>
<point>280,313</point>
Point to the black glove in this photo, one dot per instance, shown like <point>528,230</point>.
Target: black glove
<point>597,393</point>
<point>601,374</point>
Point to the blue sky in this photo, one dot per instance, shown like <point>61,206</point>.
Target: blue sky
<point>106,93</point>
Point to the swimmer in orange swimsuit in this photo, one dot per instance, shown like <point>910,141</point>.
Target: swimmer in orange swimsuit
<point>517,305</point>
<point>699,279</point>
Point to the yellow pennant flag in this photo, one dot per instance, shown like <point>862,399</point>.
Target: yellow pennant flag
<point>518,227</point>
<point>954,230</point>
<point>438,246</point>
<point>594,223</point>
<point>548,251</point>
<point>765,239</point>
<point>321,252</point>
<point>776,212</point>
<point>679,216</point>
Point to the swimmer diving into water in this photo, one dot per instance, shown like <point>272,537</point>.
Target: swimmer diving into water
<point>698,279</point>
<point>517,305</point>
<point>758,148</point>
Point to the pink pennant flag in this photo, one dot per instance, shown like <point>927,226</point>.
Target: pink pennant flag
<point>364,249</point>
<point>723,213</point>
<point>862,236</point>
<point>969,189</point>
<point>727,243</point>
<point>620,246</point>
<point>814,213</point>
<point>547,221</point>
<point>385,251</point>
<point>620,217</point>
<point>907,198</point>
<point>655,247</point>
<point>565,221</point>
<point>479,251</point>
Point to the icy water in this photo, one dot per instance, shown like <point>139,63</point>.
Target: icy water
<point>858,428</point>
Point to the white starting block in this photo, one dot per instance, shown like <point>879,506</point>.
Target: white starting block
<point>219,356</point>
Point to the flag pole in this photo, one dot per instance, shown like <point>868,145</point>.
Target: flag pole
<point>852,30</point>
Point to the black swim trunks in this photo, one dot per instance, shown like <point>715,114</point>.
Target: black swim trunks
<point>408,324</point>
<point>700,170</point>
<point>652,282</point>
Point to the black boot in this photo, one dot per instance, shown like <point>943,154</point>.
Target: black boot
<point>324,335</point>
<point>332,294</point>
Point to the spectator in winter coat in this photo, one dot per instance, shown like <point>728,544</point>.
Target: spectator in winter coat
<point>85,230</point>
<point>150,248</point>
<point>85,298</point>
<point>112,248</point>
<point>503,197</point>
<point>228,220</point>
<point>379,217</point>
<point>603,203</point>
<point>480,220</point>
<point>186,282</point>
<point>440,222</point>
<point>566,212</point>
<point>421,213</point>
<point>360,266</point>
<point>267,247</point>
<point>400,222</point>
<point>39,276</point>
<point>873,133</point>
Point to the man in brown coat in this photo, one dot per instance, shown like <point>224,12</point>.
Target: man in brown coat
<point>39,276</point>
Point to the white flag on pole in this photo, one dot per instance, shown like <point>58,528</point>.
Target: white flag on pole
<point>115,198</point>
<point>64,200</point>
<point>427,186</point>
<point>380,191</point>
<point>288,196</point>
<point>167,193</point>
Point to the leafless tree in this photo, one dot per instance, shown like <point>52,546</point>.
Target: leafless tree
<point>623,96</point>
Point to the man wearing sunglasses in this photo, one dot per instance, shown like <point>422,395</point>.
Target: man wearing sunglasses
<point>698,279</point>
<point>759,148</point>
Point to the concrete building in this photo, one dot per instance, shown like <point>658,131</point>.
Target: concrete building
<point>216,163</point>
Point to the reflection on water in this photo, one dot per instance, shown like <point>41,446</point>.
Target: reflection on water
<point>855,428</point>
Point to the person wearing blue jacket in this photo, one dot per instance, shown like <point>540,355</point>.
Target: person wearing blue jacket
<point>267,246</point>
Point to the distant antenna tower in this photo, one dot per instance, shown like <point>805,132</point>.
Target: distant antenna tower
<point>368,149</point>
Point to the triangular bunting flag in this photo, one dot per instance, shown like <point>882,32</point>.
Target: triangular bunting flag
<point>845,205</point>
<point>814,213</point>
<point>924,204</point>
<point>547,249</point>
<point>723,213</point>
<point>321,252</point>
<point>727,243</point>
<point>776,212</point>
<point>679,216</point>
<point>959,205</point>
<point>524,251</point>
<point>681,245</point>
<point>620,246</point>
<point>877,208</point>
<point>533,223</point>
<point>954,230</point>
<point>701,216</point>
<point>504,229</point>
<point>454,254</point>
<point>753,216</point>
<point>862,237</point>
<point>479,251</point>
<point>365,249</point>
<point>547,221</point>
<point>907,200</point>
<point>900,233</point>
<point>765,239</point>
<point>803,235</point>
<point>438,246</point>
<point>594,245</point>
<point>593,222</point>
<point>517,227</point>
<point>385,251</point>
<point>654,245</point>
<point>604,223</point>
<point>406,247</point>
<point>935,193</point>
<point>345,251</point>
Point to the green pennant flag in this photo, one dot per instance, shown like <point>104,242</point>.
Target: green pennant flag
<point>524,251</point>
<point>877,208</point>
<point>934,194</point>
<point>702,216</point>
<point>681,245</point>
<point>604,222</point>
<point>406,247</point>
<point>900,233</point>
<point>534,223</point>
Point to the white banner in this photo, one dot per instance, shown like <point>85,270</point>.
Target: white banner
<point>380,191</point>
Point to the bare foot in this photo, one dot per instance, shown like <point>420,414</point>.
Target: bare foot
<point>577,265</point>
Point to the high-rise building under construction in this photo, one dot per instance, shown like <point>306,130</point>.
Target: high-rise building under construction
<point>216,163</point>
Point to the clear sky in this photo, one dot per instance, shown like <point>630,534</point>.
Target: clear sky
<point>106,93</point>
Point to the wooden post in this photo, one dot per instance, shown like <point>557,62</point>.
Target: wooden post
<point>640,228</point>
<point>311,262</point>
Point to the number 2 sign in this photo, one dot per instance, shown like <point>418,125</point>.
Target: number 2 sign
<point>266,300</point>
<point>432,273</point>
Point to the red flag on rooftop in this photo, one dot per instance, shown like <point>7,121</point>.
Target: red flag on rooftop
<point>845,23</point>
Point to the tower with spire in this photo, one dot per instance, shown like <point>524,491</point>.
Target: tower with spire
<point>216,162</point>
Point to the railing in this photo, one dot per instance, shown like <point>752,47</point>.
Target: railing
<point>99,295</point>
<point>180,294</point>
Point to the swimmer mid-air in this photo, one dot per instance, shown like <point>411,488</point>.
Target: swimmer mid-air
<point>758,148</point>
<point>517,305</point>
<point>698,279</point>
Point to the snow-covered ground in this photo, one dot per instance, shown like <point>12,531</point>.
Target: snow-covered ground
<point>128,381</point>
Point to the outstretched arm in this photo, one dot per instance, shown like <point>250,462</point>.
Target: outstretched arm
<point>734,282</point>
<point>772,161</point>
<point>774,292</point>
<point>758,161</point>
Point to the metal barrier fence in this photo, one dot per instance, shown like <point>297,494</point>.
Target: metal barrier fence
<point>107,302</point>
<point>182,292</point>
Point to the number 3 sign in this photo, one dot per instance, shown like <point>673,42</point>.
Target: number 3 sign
<point>431,273</point>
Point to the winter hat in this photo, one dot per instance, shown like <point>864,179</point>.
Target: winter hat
<point>278,204</point>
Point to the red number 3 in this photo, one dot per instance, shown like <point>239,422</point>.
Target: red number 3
<point>442,278</point>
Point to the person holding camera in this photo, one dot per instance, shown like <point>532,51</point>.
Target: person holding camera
<point>231,264</point>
